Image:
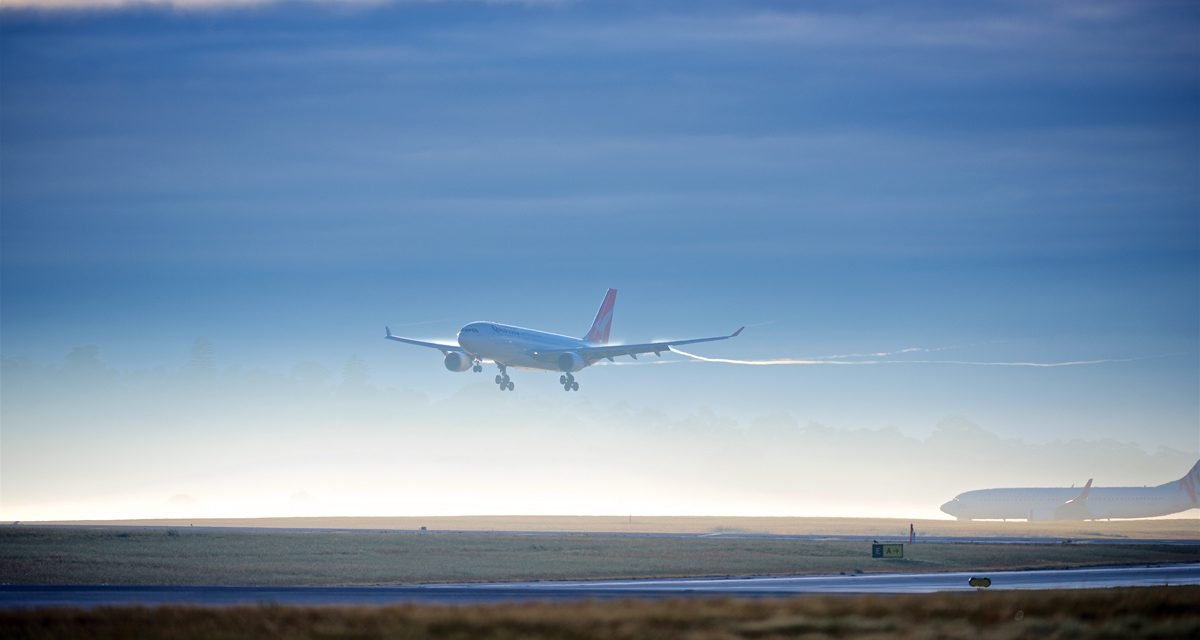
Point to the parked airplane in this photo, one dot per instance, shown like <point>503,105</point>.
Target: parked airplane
<point>509,346</point>
<point>1078,504</point>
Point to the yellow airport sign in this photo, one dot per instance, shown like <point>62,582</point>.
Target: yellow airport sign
<point>887,550</point>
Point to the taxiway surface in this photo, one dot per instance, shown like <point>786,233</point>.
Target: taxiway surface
<point>25,596</point>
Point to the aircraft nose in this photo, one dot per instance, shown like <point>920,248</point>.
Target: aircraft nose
<point>952,507</point>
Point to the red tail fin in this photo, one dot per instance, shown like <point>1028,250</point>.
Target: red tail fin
<point>598,334</point>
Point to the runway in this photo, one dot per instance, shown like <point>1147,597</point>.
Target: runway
<point>26,596</point>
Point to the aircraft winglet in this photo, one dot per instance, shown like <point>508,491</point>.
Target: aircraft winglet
<point>737,333</point>
<point>388,330</point>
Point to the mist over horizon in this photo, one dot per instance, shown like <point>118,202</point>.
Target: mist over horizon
<point>199,441</point>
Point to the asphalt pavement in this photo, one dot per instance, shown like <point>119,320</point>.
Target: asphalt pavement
<point>25,596</point>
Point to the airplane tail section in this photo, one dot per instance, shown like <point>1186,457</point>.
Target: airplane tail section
<point>1190,484</point>
<point>1076,508</point>
<point>598,334</point>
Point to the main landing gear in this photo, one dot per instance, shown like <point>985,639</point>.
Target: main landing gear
<point>502,379</point>
<point>568,382</point>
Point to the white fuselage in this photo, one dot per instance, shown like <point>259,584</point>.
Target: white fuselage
<point>1047,503</point>
<point>515,346</point>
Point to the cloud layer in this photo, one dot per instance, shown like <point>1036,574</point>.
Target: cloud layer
<point>234,4</point>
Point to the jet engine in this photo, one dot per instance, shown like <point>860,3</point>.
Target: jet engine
<point>1041,514</point>
<point>571,361</point>
<point>458,361</point>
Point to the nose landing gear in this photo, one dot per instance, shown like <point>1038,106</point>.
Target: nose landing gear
<point>568,382</point>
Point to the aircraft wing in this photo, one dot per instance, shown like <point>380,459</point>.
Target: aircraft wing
<point>440,346</point>
<point>592,354</point>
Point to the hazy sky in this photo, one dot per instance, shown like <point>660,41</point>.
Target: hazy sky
<point>985,182</point>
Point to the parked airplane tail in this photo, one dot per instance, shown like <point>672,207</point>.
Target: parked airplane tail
<point>1190,484</point>
<point>598,334</point>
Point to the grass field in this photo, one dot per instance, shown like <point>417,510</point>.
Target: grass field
<point>1155,612</point>
<point>198,556</point>
<point>1172,528</point>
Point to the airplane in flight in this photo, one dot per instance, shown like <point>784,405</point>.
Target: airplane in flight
<point>1099,503</point>
<point>508,346</point>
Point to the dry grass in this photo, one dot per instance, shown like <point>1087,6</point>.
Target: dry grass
<point>1156,612</point>
<point>1173,528</point>
<point>64,555</point>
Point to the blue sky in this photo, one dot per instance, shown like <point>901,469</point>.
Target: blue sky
<point>1007,181</point>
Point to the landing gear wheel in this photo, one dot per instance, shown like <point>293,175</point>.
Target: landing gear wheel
<point>477,368</point>
<point>574,386</point>
<point>512,385</point>
<point>499,379</point>
<point>562,379</point>
<point>566,387</point>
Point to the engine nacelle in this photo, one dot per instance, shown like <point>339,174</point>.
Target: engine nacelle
<point>1070,510</point>
<point>1042,514</point>
<point>459,361</point>
<point>571,361</point>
